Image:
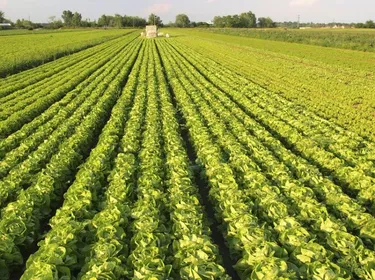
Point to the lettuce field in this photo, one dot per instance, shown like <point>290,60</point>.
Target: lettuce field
<point>27,50</point>
<point>178,158</point>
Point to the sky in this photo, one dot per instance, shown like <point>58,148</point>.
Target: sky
<point>197,10</point>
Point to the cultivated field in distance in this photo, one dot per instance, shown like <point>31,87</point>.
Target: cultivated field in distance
<point>199,156</point>
<point>336,84</point>
<point>29,50</point>
<point>353,39</point>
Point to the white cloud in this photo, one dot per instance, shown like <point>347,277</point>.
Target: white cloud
<point>302,3</point>
<point>210,1</point>
<point>160,8</point>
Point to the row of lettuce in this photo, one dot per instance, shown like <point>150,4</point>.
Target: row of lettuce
<point>131,210</point>
<point>104,165</point>
<point>135,201</point>
<point>34,188</point>
<point>26,152</point>
<point>338,153</point>
<point>283,189</point>
<point>323,81</point>
<point>48,70</point>
<point>23,103</point>
<point>17,55</point>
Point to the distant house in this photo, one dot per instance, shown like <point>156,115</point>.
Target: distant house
<point>5,25</point>
<point>151,31</point>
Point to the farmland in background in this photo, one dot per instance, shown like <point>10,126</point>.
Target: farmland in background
<point>200,156</point>
<point>353,39</point>
<point>29,50</point>
<point>11,32</point>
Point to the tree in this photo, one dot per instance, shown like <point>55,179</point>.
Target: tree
<point>88,23</point>
<point>262,22</point>
<point>199,24</point>
<point>22,23</point>
<point>54,23</point>
<point>131,21</point>
<point>76,19</point>
<point>248,20</point>
<point>266,22</point>
<point>370,24</point>
<point>18,23</point>
<point>4,20</point>
<point>118,21</point>
<point>218,21</point>
<point>235,21</point>
<point>106,21</point>
<point>244,20</point>
<point>111,21</point>
<point>67,16</point>
<point>182,20</point>
<point>138,22</point>
<point>360,25</point>
<point>154,20</point>
<point>102,21</point>
<point>128,21</point>
<point>225,21</point>
<point>228,21</point>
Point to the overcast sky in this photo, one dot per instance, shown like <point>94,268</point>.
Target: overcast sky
<point>197,10</point>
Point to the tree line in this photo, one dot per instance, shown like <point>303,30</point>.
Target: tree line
<point>244,20</point>
<point>75,19</point>
<point>295,24</point>
<point>367,24</point>
<point>72,19</point>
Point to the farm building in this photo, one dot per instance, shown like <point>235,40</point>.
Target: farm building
<point>5,25</point>
<point>151,31</point>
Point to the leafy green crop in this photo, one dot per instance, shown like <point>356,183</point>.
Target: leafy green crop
<point>106,173</point>
<point>18,56</point>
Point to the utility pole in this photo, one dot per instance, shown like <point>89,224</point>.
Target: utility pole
<point>298,22</point>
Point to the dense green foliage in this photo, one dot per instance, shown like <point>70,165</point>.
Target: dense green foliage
<point>11,32</point>
<point>182,20</point>
<point>244,20</point>
<point>336,84</point>
<point>367,24</point>
<point>354,39</point>
<point>154,20</point>
<point>3,20</point>
<point>119,21</point>
<point>71,19</point>
<point>17,55</point>
<point>164,159</point>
